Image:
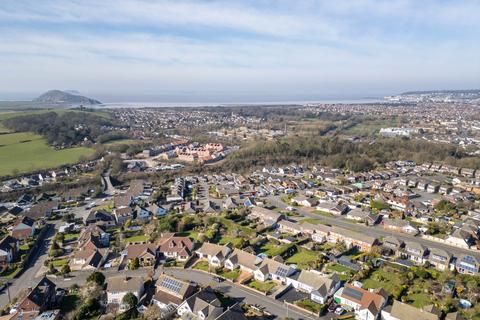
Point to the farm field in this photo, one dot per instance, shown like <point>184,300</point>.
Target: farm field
<point>24,152</point>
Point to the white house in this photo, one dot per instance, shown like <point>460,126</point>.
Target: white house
<point>214,253</point>
<point>119,286</point>
<point>319,287</point>
<point>271,269</point>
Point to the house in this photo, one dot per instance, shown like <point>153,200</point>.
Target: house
<point>202,305</point>
<point>398,225</point>
<point>393,244</point>
<point>439,258</point>
<point>468,264</point>
<point>271,269</point>
<point>119,286</point>
<point>404,311</point>
<point>101,218</point>
<point>123,214</point>
<point>9,247</point>
<point>243,260</point>
<point>332,208</point>
<point>38,299</point>
<point>362,216</point>
<point>157,210</point>
<point>142,213</point>
<point>122,201</point>
<point>92,249</point>
<point>146,254</point>
<point>289,227</point>
<point>268,217</point>
<point>415,252</point>
<point>23,228</point>
<point>42,209</point>
<point>170,292</point>
<point>460,238</point>
<point>319,287</point>
<point>175,247</point>
<point>214,253</point>
<point>209,207</point>
<point>189,208</point>
<point>230,204</point>
<point>305,201</point>
<point>351,238</point>
<point>366,304</point>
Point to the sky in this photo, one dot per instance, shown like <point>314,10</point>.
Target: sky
<point>258,50</point>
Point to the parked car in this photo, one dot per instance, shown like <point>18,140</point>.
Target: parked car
<point>339,311</point>
<point>332,307</point>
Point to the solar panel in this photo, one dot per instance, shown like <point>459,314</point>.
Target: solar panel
<point>355,294</point>
<point>281,272</point>
<point>171,284</point>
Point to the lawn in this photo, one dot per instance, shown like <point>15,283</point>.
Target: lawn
<point>232,226</point>
<point>309,305</point>
<point>419,300</point>
<point>303,258</point>
<point>235,241</point>
<point>232,275</point>
<point>25,152</point>
<point>59,262</point>
<point>337,268</point>
<point>201,265</point>
<point>71,236</point>
<point>267,286</point>
<point>141,238</point>
<point>273,249</point>
<point>380,278</point>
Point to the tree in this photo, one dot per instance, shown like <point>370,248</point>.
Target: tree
<point>134,264</point>
<point>65,269</point>
<point>130,301</point>
<point>340,246</point>
<point>96,277</point>
<point>153,312</point>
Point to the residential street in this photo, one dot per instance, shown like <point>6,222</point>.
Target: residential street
<point>234,291</point>
<point>376,231</point>
<point>29,276</point>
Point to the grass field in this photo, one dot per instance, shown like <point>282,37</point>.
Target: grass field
<point>303,258</point>
<point>25,152</point>
<point>141,238</point>
<point>262,286</point>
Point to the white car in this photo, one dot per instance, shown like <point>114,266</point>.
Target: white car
<point>290,208</point>
<point>339,310</point>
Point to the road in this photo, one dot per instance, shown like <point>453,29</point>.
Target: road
<point>29,278</point>
<point>232,290</point>
<point>376,231</point>
<point>235,291</point>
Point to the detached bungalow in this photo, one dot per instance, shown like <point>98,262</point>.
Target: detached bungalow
<point>214,253</point>
<point>243,260</point>
<point>319,287</point>
<point>271,269</point>
<point>366,304</point>
<point>403,311</point>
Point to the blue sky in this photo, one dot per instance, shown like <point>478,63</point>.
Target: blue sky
<point>238,50</point>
